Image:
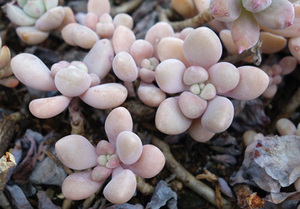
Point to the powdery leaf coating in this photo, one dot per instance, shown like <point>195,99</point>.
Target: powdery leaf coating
<point>100,173</point>
<point>285,127</point>
<point>104,148</point>
<point>270,91</point>
<point>294,47</point>
<point>78,186</point>
<point>169,119</point>
<point>51,19</point>
<point>186,8</point>
<point>226,38</point>
<point>158,32</point>
<point>256,5</point>
<point>49,4</point>
<point>150,163</point>
<point>67,33</point>
<point>218,115</point>
<point>208,92</point>
<point>124,67</point>
<point>32,72</point>
<point>123,19</point>
<point>171,48</point>
<point>118,120</point>
<point>49,107</point>
<point>121,187</point>
<point>168,75</point>
<point>150,95</point>
<point>194,74</point>
<point>191,105</point>
<point>253,82</point>
<point>146,75</point>
<point>198,132</point>
<point>202,47</point>
<point>76,152</point>
<point>84,36</point>
<point>245,31</point>
<point>279,15</point>
<point>91,20</point>
<point>72,81</point>
<point>122,33</point>
<point>271,43</point>
<point>141,49</point>
<point>99,58</point>
<point>30,35</point>
<point>129,147</point>
<point>225,10</point>
<point>288,64</point>
<point>185,32</point>
<point>34,8</point>
<point>224,76</point>
<point>98,7</point>
<point>105,96</point>
<point>18,16</point>
<point>291,31</point>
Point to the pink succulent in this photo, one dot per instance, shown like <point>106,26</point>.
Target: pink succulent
<point>35,19</point>
<point>70,79</point>
<point>123,156</point>
<point>98,24</point>
<point>6,75</point>
<point>275,72</point>
<point>246,17</point>
<point>190,67</point>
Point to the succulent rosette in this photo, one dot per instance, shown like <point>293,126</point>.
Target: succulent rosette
<point>247,16</point>
<point>75,79</point>
<point>201,85</point>
<point>36,18</point>
<point>123,156</point>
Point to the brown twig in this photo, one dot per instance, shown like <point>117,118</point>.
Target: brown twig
<point>144,187</point>
<point>193,22</point>
<point>126,7</point>
<point>255,51</point>
<point>213,178</point>
<point>76,118</point>
<point>187,178</point>
<point>7,130</point>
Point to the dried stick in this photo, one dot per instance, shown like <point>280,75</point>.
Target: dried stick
<point>126,7</point>
<point>193,22</point>
<point>144,187</point>
<point>76,118</point>
<point>255,50</point>
<point>187,178</point>
<point>7,130</point>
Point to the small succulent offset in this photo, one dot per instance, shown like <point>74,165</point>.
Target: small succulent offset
<point>123,156</point>
<point>35,18</point>
<point>6,75</point>
<point>98,24</point>
<point>246,17</point>
<point>275,72</point>
<point>70,79</point>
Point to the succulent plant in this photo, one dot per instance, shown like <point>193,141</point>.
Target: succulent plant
<point>123,156</point>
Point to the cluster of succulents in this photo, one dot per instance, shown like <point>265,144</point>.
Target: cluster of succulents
<point>179,73</point>
<point>246,17</point>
